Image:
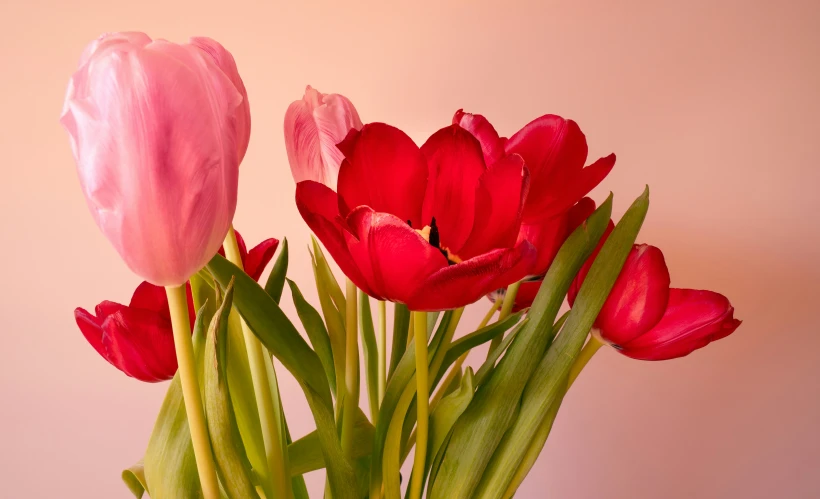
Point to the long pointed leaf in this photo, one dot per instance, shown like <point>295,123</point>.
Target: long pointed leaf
<point>371,359</point>
<point>317,334</point>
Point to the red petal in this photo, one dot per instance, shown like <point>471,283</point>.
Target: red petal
<point>638,298</point>
<point>491,144</point>
<point>455,165</point>
<point>91,327</point>
<point>151,298</point>
<point>526,294</point>
<point>259,257</point>
<point>392,256</point>
<point>384,170</point>
<point>319,207</point>
<point>464,283</point>
<point>499,203</point>
<point>693,319</point>
<point>140,344</point>
<point>243,248</point>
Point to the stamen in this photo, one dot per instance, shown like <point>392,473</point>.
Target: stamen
<point>410,223</point>
<point>434,236</point>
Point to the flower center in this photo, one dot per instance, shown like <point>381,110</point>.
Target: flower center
<point>431,234</point>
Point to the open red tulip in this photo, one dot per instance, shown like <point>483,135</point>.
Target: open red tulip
<point>555,151</point>
<point>138,339</point>
<point>645,319</point>
<point>431,227</point>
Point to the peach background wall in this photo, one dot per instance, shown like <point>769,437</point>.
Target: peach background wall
<point>714,104</point>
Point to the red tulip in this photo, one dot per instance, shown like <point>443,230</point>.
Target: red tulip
<point>433,228</point>
<point>555,150</point>
<point>137,339</point>
<point>644,319</point>
<point>157,130</point>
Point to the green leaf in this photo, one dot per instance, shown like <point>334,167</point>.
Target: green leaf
<point>276,279</point>
<point>267,321</point>
<point>550,377</point>
<point>371,359</point>
<point>317,334</point>
<point>306,453</point>
<point>332,284</point>
<point>232,463</point>
<point>480,429</point>
<point>333,319</point>
<point>448,410</point>
<point>401,325</point>
<point>487,367</point>
<point>134,478</point>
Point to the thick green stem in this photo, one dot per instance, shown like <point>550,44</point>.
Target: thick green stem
<point>381,345</point>
<point>178,305</point>
<point>506,308</point>
<point>351,401</point>
<point>592,346</point>
<point>422,408</point>
<point>269,417</point>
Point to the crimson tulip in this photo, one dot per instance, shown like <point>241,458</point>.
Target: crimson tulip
<point>645,319</point>
<point>158,130</point>
<point>313,127</point>
<point>432,227</point>
<point>137,339</point>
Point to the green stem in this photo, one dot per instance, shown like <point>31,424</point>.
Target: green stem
<point>422,401</point>
<point>381,345</point>
<point>269,418</point>
<point>178,305</point>
<point>506,308</point>
<point>351,401</point>
<point>592,346</point>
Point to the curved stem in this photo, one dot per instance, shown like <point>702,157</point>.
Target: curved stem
<point>592,346</point>
<point>268,416</point>
<point>351,401</point>
<point>178,305</point>
<point>422,408</point>
<point>506,308</point>
<point>382,348</point>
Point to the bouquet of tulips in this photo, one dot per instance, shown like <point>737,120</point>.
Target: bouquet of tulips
<point>158,131</point>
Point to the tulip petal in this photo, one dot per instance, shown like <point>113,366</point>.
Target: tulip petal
<point>319,207</point>
<point>225,62</point>
<point>491,144</point>
<point>91,327</point>
<point>526,293</point>
<point>455,165</point>
<point>259,257</point>
<point>392,256</point>
<point>152,298</point>
<point>385,170</point>
<point>464,283</point>
<point>499,203</point>
<point>693,319</point>
<point>140,344</point>
<point>162,187</point>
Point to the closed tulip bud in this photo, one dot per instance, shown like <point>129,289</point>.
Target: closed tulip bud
<point>313,127</point>
<point>157,130</point>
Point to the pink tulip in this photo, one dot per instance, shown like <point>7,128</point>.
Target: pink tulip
<point>313,127</point>
<point>157,130</point>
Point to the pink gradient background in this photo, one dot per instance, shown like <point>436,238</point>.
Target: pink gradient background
<point>713,104</point>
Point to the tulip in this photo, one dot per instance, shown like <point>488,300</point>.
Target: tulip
<point>137,339</point>
<point>645,319</point>
<point>555,150</point>
<point>157,130</point>
<point>431,227</point>
<point>313,127</point>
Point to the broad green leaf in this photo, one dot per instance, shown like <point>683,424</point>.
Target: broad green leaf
<point>315,329</point>
<point>480,429</point>
<point>202,290</point>
<point>276,279</point>
<point>492,357</point>
<point>306,453</point>
<point>134,478</point>
<point>232,463</point>
<point>401,325</point>
<point>333,319</point>
<point>432,317</point>
<point>549,379</point>
<point>277,333</point>
<point>332,284</point>
<point>447,412</point>
<point>371,359</point>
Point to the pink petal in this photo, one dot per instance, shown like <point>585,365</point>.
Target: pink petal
<point>384,170</point>
<point>455,164</point>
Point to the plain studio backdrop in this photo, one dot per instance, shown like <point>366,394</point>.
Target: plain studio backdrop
<point>714,104</point>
